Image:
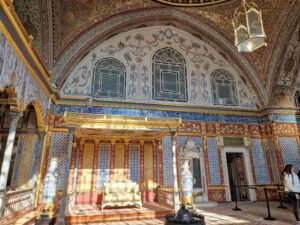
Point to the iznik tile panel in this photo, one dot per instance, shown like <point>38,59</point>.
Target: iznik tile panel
<point>59,149</point>
<point>210,117</point>
<point>260,162</point>
<point>275,169</point>
<point>167,162</point>
<point>103,165</point>
<point>134,163</point>
<point>213,158</point>
<point>290,152</point>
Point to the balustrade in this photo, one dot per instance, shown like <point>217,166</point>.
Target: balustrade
<point>17,200</point>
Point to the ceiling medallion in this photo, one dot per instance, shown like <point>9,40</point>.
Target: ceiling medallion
<point>248,28</point>
<point>190,2</point>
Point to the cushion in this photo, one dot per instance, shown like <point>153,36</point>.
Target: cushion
<point>106,189</point>
<point>135,189</point>
<point>121,191</point>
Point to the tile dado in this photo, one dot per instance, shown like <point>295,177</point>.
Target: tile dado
<point>215,116</point>
<point>216,128</point>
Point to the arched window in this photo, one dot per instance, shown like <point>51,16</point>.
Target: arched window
<point>169,76</point>
<point>223,88</point>
<point>109,79</point>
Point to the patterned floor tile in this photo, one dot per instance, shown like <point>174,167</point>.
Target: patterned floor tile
<point>251,214</point>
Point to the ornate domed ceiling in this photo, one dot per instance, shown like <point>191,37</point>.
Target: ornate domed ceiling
<point>190,2</point>
<point>68,29</point>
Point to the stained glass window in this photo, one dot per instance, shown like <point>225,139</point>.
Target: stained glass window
<point>109,79</point>
<point>223,88</point>
<point>169,76</point>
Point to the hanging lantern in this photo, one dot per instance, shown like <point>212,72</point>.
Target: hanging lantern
<point>248,28</point>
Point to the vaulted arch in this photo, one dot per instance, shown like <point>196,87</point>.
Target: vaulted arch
<point>85,44</point>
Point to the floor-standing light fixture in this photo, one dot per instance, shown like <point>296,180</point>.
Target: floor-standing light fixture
<point>248,28</point>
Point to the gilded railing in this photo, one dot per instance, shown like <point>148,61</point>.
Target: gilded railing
<point>17,200</point>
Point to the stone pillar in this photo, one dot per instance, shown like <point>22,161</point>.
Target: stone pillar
<point>39,183</point>
<point>63,202</point>
<point>33,180</point>
<point>112,174</point>
<point>161,159</point>
<point>175,183</point>
<point>7,157</point>
<point>157,149</point>
<point>127,169</point>
<point>75,173</point>
<point>142,173</point>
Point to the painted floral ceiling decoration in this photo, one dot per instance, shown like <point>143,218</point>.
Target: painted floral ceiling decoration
<point>71,28</point>
<point>75,18</point>
<point>190,2</point>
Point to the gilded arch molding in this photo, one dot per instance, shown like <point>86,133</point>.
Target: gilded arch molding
<point>189,3</point>
<point>285,64</point>
<point>98,34</point>
<point>15,76</point>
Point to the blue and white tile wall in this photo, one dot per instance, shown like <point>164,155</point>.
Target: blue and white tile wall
<point>214,116</point>
<point>290,152</point>
<point>260,162</point>
<point>103,164</point>
<point>275,168</point>
<point>167,162</point>
<point>213,158</point>
<point>59,149</point>
<point>134,163</point>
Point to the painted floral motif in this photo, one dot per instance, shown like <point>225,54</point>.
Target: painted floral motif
<point>211,128</point>
<point>216,195</point>
<point>77,85</point>
<point>135,49</point>
<point>254,130</point>
<point>269,129</point>
<point>191,127</point>
<point>285,128</point>
<point>30,15</point>
<point>232,129</point>
<point>291,60</point>
<point>14,73</point>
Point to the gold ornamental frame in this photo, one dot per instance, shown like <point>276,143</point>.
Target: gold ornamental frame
<point>192,3</point>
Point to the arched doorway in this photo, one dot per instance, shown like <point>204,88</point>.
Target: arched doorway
<point>19,144</point>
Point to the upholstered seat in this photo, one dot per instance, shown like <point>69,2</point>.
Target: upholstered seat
<point>121,193</point>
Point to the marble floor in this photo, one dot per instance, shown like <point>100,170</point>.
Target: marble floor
<point>251,214</point>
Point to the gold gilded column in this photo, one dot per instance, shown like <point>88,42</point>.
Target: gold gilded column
<point>126,172</point>
<point>42,166</point>
<point>112,160</point>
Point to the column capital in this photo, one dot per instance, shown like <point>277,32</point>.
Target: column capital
<point>14,115</point>
<point>142,142</point>
<point>71,129</point>
<point>42,134</point>
<point>173,133</point>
